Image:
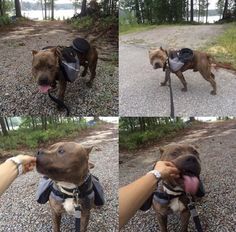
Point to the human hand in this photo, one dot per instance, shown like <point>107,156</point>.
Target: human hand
<point>28,162</point>
<point>167,169</point>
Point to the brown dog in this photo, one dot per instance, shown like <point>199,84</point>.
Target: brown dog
<point>202,62</point>
<point>68,166</point>
<point>186,159</point>
<point>47,71</point>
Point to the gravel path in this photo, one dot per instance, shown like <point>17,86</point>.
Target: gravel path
<point>139,85</point>
<point>18,90</point>
<point>217,211</point>
<point>19,212</point>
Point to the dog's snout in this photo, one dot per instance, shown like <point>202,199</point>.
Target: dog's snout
<point>39,153</point>
<point>191,160</point>
<point>157,65</point>
<point>43,80</point>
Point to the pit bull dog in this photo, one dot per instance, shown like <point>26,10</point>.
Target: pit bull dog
<point>171,197</point>
<point>46,66</point>
<point>201,62</point>
<point>67,164</point>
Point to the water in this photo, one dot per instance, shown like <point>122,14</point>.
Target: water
<point>211,19</point>
<point>58,14</point>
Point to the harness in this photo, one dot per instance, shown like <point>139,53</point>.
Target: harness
<point>170,193</point>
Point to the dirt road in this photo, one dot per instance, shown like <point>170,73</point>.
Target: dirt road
<point>140,90</point>
<point>18,90</point>
<point>19,211</point>
<point>217,147</point>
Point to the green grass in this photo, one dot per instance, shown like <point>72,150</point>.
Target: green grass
<point>132,141</point>
<point>131,28</point>
<point>29,138</point>
<point>5,20</point>
<point>224,47</point>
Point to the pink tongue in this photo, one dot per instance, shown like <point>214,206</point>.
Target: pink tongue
<point>191,184</point>
<point>44,88</point>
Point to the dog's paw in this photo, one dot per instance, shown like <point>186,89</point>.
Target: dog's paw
<point>163,83</point>
<point>184,89</point>
<point>213,92</point>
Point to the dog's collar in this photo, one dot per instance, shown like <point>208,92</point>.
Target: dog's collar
<point>80,191</point>
<point>165,65</point>
<point>168,189</point>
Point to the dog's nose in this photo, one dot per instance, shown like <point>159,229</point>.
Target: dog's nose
<point>157,65</point>
<point>191,160</point>
<point>43,80</point>
<point>39,153</point>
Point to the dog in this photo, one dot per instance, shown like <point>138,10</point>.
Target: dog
<point>46,67</point>
<point>201,62</point>
<point>67,164</point>
<point>186,159</point>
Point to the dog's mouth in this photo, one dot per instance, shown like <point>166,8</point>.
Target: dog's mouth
<point>44,88</point>
<point>190,182</point>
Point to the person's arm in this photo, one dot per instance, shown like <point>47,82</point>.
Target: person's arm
<point>9,170</point>
<point>132,196</point>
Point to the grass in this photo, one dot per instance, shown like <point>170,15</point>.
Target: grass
<point>224,47</point>
<point>136,140</point>
<point>5,20</point>
<point>32,138</point>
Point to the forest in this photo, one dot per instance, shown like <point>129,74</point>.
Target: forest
<point>30,132</point>
<point>173,11</point>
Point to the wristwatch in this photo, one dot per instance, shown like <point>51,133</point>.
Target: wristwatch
<point>156,173</point>
<point>18,164</point>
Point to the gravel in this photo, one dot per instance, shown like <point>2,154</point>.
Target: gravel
<point>140,90</point>
<point>19,211</point>
<point>217,211</point>
<point>19,92</point>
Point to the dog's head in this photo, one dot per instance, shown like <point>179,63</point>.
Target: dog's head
<point>186,159</point>
<point>45,67</point>
<point>157,57</point>
<point>65,161</point>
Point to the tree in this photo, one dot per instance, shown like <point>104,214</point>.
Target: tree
<point>18,8</point>
<point>52,9</point>
<point>3,126</point>
<point>191,10</point>
<point>84,8</point>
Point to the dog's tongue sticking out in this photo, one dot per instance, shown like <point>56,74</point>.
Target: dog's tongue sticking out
<point>44,88</point>
<point>191,184</point>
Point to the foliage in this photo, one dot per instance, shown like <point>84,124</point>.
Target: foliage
<point>139,132</point>
<point>5,20</point>
<point>29,137</point>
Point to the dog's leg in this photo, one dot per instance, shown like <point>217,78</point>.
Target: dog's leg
<point>167,76</point>
<point>180,75</point>
<point>184,217</point>
<point>62,88</point>
<point>85,70</point>
<point>56,217</point>
<point>208,76</point>
<point>162,221</point>
<point>92,69</point>
<point>85,215</point>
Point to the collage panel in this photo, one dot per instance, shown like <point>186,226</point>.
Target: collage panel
<point>60,57</point>
<point>76,158</point>
<point>160,42</point>
<point>203,150</point>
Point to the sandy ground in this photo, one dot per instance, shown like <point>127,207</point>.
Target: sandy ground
<point>19,211</point>
<point>18,90</point>
<point>139,84</point>
<point>217,146</point>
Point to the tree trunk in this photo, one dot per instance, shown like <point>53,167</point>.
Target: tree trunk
<point>225,12</point>
<point>45,9</point>
<point>52,9</point>
<point>3,126</point>
<point>207,5</point>
<point>137,11</point>
<point>84,8</point>
<point>191,10</point>
<point>18,8</point>
<point>1,8</point>
<point>7,125</point>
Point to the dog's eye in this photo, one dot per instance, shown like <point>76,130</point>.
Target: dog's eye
<point>60,151</point>
<point>50,66</point>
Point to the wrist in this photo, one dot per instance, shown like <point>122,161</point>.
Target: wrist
<point>156,174</point>
<point>18,164</point>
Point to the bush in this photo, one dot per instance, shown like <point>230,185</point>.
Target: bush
<point>5,20</point>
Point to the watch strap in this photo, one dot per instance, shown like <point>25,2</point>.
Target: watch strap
<point>18,164</point>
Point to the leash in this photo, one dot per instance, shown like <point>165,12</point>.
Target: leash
<point>60,103</point>
<point>194,214</point>
<point>172,109</point>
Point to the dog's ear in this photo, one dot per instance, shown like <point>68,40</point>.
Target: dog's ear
<point>88,149</point>
<point>91,165</point>
<point>161,149</point>
<point>161,49</point>
<point>56,51</point>
<point>34,52</point>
